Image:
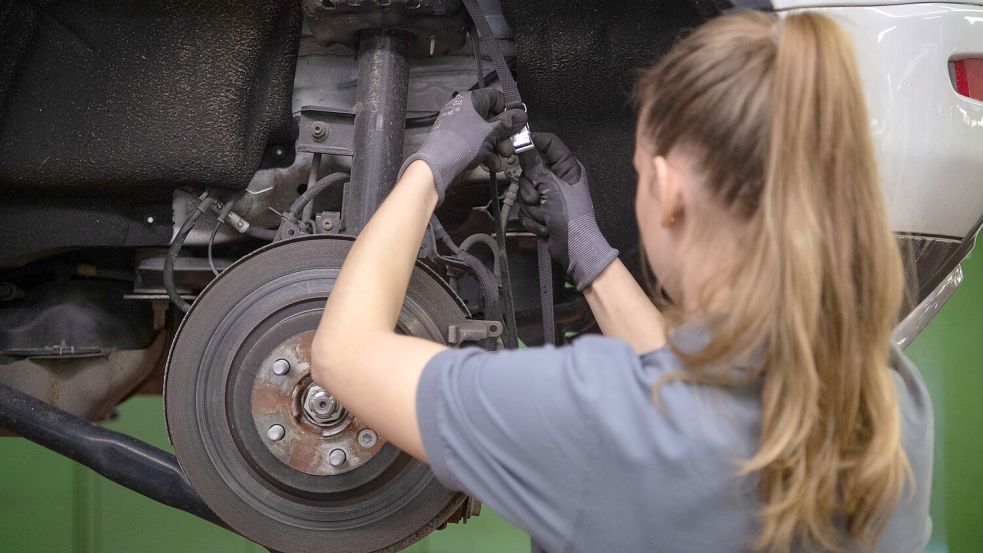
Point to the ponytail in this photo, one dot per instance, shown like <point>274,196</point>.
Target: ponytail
<point>774,110</point>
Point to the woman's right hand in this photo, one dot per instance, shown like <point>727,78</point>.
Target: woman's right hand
<point>556,203</point>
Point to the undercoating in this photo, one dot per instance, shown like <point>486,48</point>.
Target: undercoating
<point>575,69</point>
<point>138,97</point>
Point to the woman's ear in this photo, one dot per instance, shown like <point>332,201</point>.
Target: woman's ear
<point>668,191</point>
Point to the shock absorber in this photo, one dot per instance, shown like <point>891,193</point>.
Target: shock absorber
<point>380,121</point>
<point>386,34</point>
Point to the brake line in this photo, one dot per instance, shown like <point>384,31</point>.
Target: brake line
<point>488,281</point>
<point>510,336</point>
<point>204,203</point>
<point>513,100</point>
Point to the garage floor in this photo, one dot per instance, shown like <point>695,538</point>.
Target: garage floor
<point>48,504</point>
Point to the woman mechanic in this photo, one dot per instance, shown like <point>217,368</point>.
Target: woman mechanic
<point>761,409</point>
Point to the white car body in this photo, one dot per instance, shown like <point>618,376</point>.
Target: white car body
<point>929,139</point>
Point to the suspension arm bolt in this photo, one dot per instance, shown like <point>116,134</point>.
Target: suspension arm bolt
<point>319,131</point>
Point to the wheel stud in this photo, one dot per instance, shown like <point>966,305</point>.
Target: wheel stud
<point>275,433</point>
<point>337,457</point>
<point>367,438</point>
<point>281,367</point>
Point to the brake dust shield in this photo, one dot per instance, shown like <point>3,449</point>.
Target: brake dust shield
<point>271,453</point>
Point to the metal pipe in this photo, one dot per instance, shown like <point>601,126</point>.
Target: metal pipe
<point>123,459</point>
<point>380,121</point>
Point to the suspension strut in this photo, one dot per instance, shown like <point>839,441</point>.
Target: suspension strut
<point>380,122</point>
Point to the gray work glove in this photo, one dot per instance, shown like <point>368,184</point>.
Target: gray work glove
<point>465,134</point>
<point>555,202</point>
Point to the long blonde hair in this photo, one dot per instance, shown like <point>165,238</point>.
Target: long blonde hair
<point>774,112</point>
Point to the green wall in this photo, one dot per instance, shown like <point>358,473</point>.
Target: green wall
<point>950,356</point>
<point>49,504</point>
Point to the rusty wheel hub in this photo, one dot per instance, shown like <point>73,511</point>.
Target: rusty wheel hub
<point>300,422</point>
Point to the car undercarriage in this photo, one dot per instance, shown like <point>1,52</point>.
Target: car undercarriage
<point>181,181</point>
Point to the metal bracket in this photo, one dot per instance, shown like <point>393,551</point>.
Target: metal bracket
<point>326,131</point>
<point>473,331</point>
<point>290,229</point>
<point>328,222</point>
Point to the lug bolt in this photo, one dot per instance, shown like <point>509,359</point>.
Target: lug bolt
<point>281,367</point>
<point>275,433</point>
<point>337,457</point>
<point>367,438</point>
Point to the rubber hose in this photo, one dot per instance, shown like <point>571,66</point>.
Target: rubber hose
<point>220,220</point>
<point>260,233</point>
<point>441,234</point>
<point>308,196</point>
<point>488,284</point>
<point>487,241</point>
<point>172,255</point>
<point>487,281</point>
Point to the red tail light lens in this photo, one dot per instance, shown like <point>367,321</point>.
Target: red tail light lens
<point>968,77</point>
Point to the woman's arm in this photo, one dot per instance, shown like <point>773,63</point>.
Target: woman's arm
<point>624,311</point>
<point>556,203</point>
<point>356,353</point>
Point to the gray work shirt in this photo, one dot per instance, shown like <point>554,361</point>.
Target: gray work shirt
<point>568,445</point>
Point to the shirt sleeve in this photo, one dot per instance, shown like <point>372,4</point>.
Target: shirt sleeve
<point>515,429</point>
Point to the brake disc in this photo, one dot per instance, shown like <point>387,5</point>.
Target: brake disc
<point>276,457</point>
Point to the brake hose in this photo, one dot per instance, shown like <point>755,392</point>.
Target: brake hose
<point>226,209</point>
<point>204,203</point>
<point>312,191</point>
<point>513,100</point>
<point>488,241</point>
<point>487,281</point>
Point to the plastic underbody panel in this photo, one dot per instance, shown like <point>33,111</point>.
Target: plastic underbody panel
<point>139,97</point>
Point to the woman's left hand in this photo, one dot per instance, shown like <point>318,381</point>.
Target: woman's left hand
<point>465,134</point>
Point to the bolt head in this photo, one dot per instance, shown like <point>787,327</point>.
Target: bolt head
<point>281,367</point>
<point>327,224</point>
<point>337,457</point>
<point>321,407</point>
<point>150,219</point>
<point>275,433</point>
<point>367,438</point>
<point>322,403</point>
<point>319,131</point>
<point>279,152</point>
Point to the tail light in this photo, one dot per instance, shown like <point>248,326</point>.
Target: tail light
<point>967,77</point>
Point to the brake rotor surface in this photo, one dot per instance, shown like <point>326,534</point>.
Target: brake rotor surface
<point>275,456</point>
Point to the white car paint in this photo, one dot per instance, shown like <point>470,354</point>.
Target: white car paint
<point>929,139</point>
